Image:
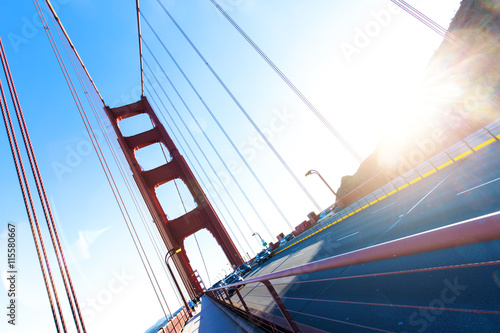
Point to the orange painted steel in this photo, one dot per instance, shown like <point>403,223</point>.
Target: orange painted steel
<point>174,231</point>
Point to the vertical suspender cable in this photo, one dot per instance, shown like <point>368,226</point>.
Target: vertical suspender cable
<point>210,164</point>
<point>290,84</point>
<point>196,239</point>
<point>203,259</point>
<point>197,161</point>
<point>236,149</point>
<point>212,145</point>
<point>245,113</point>
<point>207,160</point>
<point>170,130</point>
<point>120,168</point>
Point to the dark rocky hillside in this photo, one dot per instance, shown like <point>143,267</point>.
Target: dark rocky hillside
<point>460,92</point>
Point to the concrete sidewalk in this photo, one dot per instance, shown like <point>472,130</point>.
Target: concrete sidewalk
<point>212,317</point>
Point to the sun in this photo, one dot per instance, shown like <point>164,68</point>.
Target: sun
<point>411,113</point>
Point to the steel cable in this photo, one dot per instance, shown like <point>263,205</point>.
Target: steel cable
<point>199,148</point>
<point>97,147</point>
<point>21,174</point>
<point>242,109</point>
<point>197,161</point>
<point>289,83</point>
<point>212,115</point>
<point>209,141</point>
<point>342,322</point>
<point>140,44</point>
<point>429,23</point>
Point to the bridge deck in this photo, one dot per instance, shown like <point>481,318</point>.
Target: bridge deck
<point>210,317</point>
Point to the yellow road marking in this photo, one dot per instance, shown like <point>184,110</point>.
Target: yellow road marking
<point>445,164</point>
<point>392,192</point>
<point>485,143</point>
<point>415,180</point>
<point>463,155</point>
<point>402,187</point>
<point>428,173</point>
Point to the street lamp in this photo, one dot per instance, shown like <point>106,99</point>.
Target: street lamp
<point>168,256</point>
<point>310,172</point>
<point>263,243</point>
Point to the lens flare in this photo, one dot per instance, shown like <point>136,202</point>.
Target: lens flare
<point>496,277</point>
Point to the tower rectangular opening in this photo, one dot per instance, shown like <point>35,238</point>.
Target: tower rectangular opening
<point>152,156</point>
<point>175,198</point>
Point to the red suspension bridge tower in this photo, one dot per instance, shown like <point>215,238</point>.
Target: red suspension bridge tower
<point>174,231</point>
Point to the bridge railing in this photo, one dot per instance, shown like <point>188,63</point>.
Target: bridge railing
<point>176,325</point>
<point>266,301</point>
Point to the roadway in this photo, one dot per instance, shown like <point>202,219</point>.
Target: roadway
<point>466,189</point>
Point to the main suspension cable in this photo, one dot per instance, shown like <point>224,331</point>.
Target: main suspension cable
<point>155,284</point>
<point>209,141</point>
<point>199,164</point>
<point>140,45</point>
<point>73,48</point>
<point>448,36</point>
<point>54,235</point>
<point>100,155</point>
<point>212,115</point>
<point>202,152</point>
<point>289,83</point>
<point>32,217</point>
<point>429,23</point>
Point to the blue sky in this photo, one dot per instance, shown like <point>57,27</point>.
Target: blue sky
<point>358,80</point>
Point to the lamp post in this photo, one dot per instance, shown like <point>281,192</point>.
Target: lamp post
<point>310,172</point>
<point>168,256</point>
<point>263,243</point>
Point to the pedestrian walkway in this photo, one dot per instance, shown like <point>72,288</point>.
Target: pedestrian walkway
<point>212,317</point>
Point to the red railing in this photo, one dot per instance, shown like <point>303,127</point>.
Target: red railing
<point>481,229</point>
<point>177,323</point>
